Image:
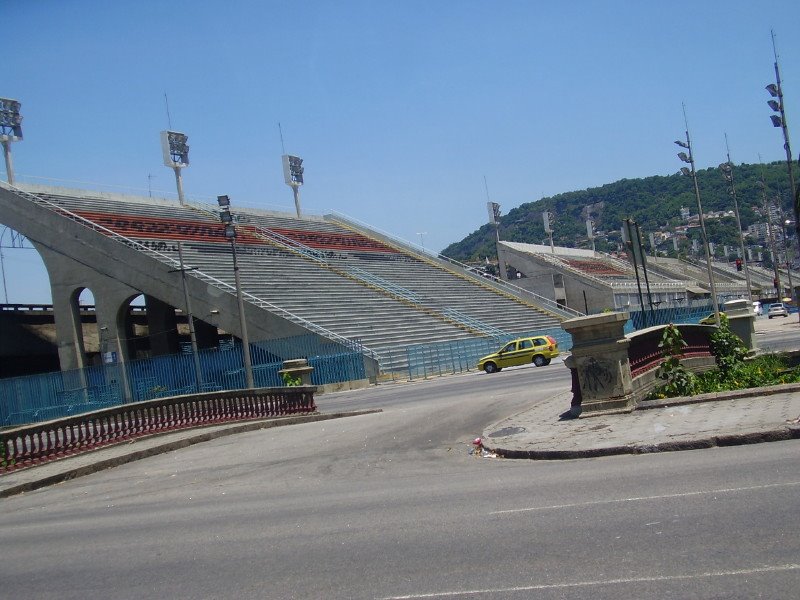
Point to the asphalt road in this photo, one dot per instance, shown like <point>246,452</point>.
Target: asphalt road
<point>391,505</point>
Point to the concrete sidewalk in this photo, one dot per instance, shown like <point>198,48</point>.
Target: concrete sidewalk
<point>703,421</point>
<point>70,467</point>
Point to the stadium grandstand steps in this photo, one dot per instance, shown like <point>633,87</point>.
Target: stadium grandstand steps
<point>326,294</point>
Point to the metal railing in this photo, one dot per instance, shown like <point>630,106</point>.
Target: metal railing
<point>511,289</point>
<point>30,445</point>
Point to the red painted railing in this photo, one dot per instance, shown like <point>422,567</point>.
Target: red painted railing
<point>645,355</point>
<point>33,444</point>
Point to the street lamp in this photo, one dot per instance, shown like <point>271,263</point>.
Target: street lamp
<point>230,234</point>
<point>10,131</point>
<point>779,120</point>
<point>727,172</point>
<point>689,158</point>
<point>175,149</point>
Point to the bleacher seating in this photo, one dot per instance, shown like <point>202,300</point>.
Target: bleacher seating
<point>326,294</point>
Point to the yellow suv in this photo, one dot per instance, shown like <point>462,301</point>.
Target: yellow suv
<point>537,350</point>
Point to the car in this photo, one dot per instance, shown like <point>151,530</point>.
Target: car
<point>710,319</point>
<point>777,309</point>
<point>539,350</point>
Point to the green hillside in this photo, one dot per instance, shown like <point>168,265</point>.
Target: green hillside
<point>654,202</point>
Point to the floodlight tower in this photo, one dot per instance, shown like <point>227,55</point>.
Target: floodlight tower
<point>549,219</point>
<point>727,173</point>
<point>689,158</point>
<point>779,120</point>
<point>10,131</point>
<point>293,176</point>
<point>175,148</point>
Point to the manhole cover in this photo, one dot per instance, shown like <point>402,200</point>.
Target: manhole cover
<point>507,431</point>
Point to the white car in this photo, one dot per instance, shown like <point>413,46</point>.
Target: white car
<point>777,309</point>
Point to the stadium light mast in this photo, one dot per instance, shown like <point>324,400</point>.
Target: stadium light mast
<point>10,131</point>
<point>779,120</point>
<point>693,174</point>
<point>293,176</point>
<point>493,208</point>
<point>230,234</point>
<point>175,149</point>
<point>727,172</point>
<point>549,219</point>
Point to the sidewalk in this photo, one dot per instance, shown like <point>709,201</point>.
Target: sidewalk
<point>56,471</point>
<point>721,419</point>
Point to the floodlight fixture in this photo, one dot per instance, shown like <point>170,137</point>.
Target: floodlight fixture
<point>682,144</point>
<point>10,120</point>
<point>773,104</point>
<point>772,89</point>
<point>293,176</point>
<point>223,200</point>
<point>230,231</point>
<point>493,208</point>
<point>10,131</point>
<point>175,149</point>
<point>225,216</point>
<point>686,171</point>
<point>776,120</point>
<point>292,170</point>
<point>683,156</point>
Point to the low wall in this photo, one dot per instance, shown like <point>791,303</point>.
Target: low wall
<point>612,372</point>
<point>32,444</point>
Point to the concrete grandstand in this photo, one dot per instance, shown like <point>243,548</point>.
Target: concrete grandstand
<point>593,282</point>
<point>324,275</point>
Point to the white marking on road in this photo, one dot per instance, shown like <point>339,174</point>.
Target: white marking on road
<point>626,580</point>
<point>641,498</point>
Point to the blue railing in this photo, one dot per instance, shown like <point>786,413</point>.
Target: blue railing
<point>54,395</point>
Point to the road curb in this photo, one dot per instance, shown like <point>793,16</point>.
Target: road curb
<point>788,432</point>
<point>201,436</point>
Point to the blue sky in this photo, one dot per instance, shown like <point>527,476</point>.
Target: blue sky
<point>399,108</point>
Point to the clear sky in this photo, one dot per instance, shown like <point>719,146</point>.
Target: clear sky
<point>399,108</point>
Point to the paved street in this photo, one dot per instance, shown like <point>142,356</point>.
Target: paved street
<point>391,505</point>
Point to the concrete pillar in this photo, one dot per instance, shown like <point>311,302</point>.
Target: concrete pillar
<point>600,361</point>
<point>741,320</point>
<point>69,329</point>
<point>162,327</point>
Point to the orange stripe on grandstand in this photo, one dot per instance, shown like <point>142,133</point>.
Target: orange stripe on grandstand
<point>594,267</point>
<point>141,227</point>
<point>331,240</point>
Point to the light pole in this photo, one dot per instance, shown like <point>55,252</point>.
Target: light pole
<point>10,131</point>
<point>779,120</point>
<point>230,233</point>
<point>686,171</point>
<point>190,319</point>
<point>422,235</point>
<point>770,236</point>
<point>727,172</point>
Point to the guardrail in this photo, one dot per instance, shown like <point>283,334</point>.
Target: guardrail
<point>30,445</point>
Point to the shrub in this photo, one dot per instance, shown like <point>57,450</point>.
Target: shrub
<point>728,349</point>
<point>679,381</point>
